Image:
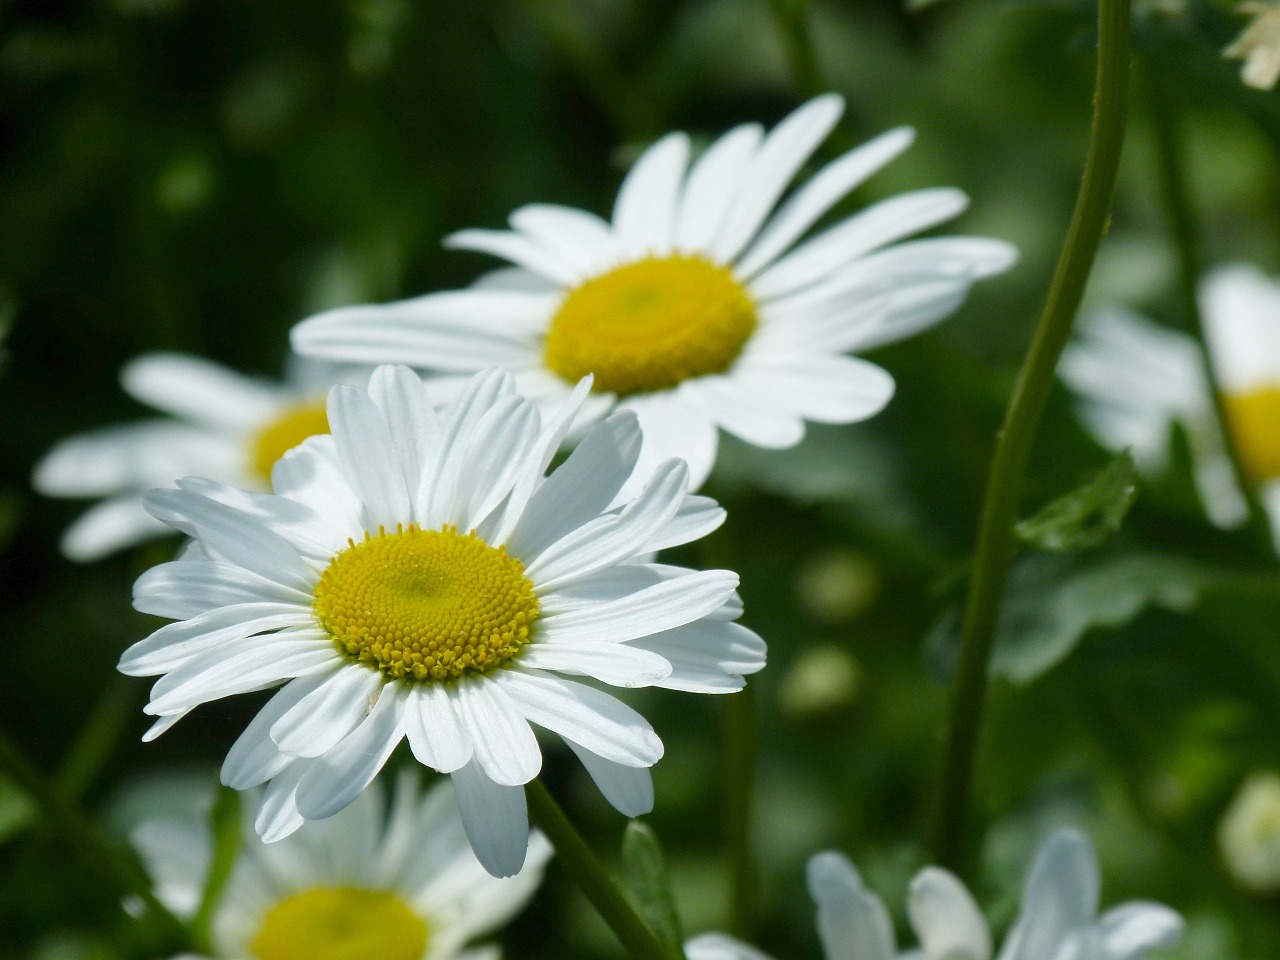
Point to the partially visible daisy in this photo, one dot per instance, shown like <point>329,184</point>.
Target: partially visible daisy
<point>1135,379</point>
<point>419,577</point>
<point>219,424</point>
<point>1258,46</point>
<point>1058,920</point>
<point>705,304</point>
<point>1249,834</point>
<point>371,883</point>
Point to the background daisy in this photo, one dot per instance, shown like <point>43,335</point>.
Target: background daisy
<point>374,882</point>
<point>422,579</point>
<point>220,424</point>
<point>705,303</point>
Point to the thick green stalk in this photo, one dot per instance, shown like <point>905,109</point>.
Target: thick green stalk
<point>225,833</point>
<point>592,878</point>
<point>994,550</point>
<point>82,835</point>
<point>99,738</point>
<point>1184,232</point>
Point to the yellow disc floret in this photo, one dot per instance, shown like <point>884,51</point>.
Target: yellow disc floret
<point>284,433</point>
<point>1254,420</point>
<point>426,604</point>
<point>341,923</point>
<point>651,325</point>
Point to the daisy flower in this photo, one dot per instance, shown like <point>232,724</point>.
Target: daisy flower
<point>219,424</point>
<point>1058,920</point>
<point>419,578</point>
<point>705,304</point>
<point>374,882</point>
<point>1134,379</point>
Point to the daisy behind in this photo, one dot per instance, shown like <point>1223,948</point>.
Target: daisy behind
<point>420,577</point>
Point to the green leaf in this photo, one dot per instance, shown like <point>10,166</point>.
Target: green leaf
<point>1088,515</point>
<point>17,811</point>
<point>647,874</point>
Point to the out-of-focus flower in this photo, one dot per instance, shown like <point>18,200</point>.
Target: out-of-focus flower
<point>371,883</point>
<point>220,424</point>
<point>1135,379</point>
<point>1058,920</point>
<point>822,683</point>
<point>837,585</point>
<point>1258,45</point>
<point>422,578</point>
<point>700,306</point>
<point>1249,835</point>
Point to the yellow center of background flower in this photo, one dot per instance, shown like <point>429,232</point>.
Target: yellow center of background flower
<point>341,923</point>
<point>283,434</point>
<point>1254,421</point>
<point>650,325</point>
<point>426,604</point>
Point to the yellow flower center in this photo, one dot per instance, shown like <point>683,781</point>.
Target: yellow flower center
<point>426,604</point>
<point>1254,421</point>
<point>341,923</point>
<point>650,325</point>
<point>283,434</point>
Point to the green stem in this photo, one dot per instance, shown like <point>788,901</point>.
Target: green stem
<point>591,877</point>
<point>84,837</point>
<point>994,551</point>
<point>225,822</point>
<point>792,17</point>
<point>1184,233</point>
<point>740,769</point>
<point>98,739</point>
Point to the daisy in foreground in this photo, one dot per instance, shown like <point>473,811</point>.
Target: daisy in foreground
<point>371,883</point>
<point>420,578</point>
<point>221,424</point>
<point>1135,379</point>
<point>1058,920</point>
<point>700,306</point>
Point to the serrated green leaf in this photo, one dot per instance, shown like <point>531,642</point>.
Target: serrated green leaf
<point>647,873</point>
<point>1088,515</point>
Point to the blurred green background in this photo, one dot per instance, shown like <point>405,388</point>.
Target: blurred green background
<point>199,176</point>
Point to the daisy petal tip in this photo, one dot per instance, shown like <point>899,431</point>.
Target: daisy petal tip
<point>830,874</point>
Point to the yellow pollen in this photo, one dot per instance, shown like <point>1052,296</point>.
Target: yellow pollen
<point>283,434</point>
<point>1254,421</point>
<point>341,923</point>
<point>426,604</point>
<point>650,325</point>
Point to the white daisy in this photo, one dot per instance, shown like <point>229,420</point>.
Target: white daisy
<point>701,306</point>
<point>1058,921</point>
<point>370,883</point>
<point>220,424</point>
<point>420,577</point>
<point>1135,379</point>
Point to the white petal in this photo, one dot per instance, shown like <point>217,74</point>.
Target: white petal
<point>278,815</point>
<point>581,488</point>
<point>663,606</point>
<point>110,526</point>
<point>438,496</point>
<point>368,456</point>
<point>1241,308</point>
<point>254,757</point>
<point>628,789</point>
<point>644,216</point>
<point>401,396</point>
<point>182,589</point>
<point>437,735</point>
<point>311,475</point>
<point>318,721</point>
<point>504,744</point>
<point>1128,931</point>
<point>823,388</point>
<point>697,517</point>
<point>591,718</point>
<point>672,427</point>
<point>496,820</point>
<point>497,455</point>
<point>520,250</point>
<point>830,185</point>
<point>580,240</point>
<point>784,151</point>
<point>852,922</point>
<point>201,391</point>
<point>617,664</point>
<point>335,779</point>
<point>1060,897</point>
<point>945,918</point>
<point>727,403</point>
<point>877,225</point>
<point>709,656</point>
<point>176,643</point>
<point>712,186</point>
<point>718,946</point>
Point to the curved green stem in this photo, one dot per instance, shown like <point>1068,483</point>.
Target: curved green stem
<point>592,878</point>
<point>792,17</point>
<point>225,832</point>
<point>99,738</point>
<point>1184,233</point>
<point>85,837</point>
<point>994,550</point>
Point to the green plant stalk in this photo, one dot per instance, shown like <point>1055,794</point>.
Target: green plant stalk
<point>592,879</point>
<point>83,835</point>
<point>99,737</point>
<point>739,798</point>
<point>994,551</point>
<point>792,17</point>
<point>1184,232</point>
<point>225,822</point>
